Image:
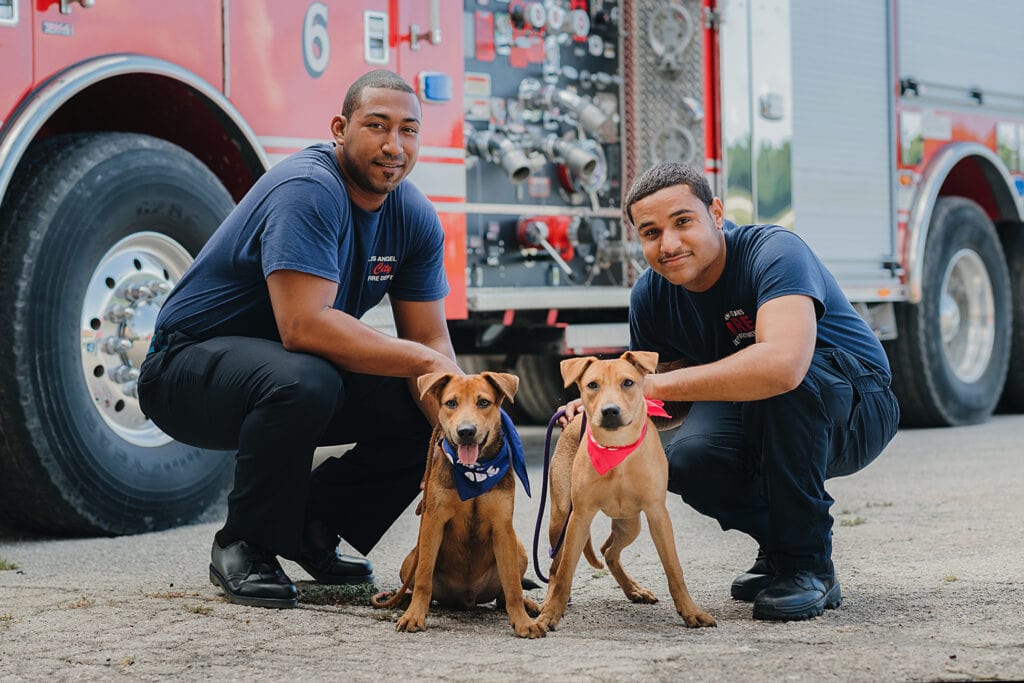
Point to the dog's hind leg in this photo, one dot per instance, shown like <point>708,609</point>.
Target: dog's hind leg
<point>624,531</point>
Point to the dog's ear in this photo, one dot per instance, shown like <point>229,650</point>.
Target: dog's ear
<point>573,368</point>
<point>506,383</point>
<point>434,381</point>
<point>647,361</point>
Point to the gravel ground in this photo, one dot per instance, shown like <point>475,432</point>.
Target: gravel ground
<point>928,547</point>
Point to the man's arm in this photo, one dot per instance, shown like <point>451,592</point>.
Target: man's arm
<point>777,362</point>
<point>424,322</point>
<point>307,322</point>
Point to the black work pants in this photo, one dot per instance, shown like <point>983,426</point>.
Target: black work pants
<point>760,467</point>
<point>274,407</point>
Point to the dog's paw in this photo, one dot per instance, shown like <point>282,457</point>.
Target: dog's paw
<point>698,619</point>
<point>410,623</point>
<point>531,606</point>
<point>641,595</point>
<point>548,622</point>
<point>530,628</point>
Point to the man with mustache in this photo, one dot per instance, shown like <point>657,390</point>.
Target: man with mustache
<point>259,349</point>
<point>788,385</point>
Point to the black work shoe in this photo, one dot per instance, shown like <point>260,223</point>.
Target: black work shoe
<point>328,567</point>
<point>747,585</point>
<point>251,576</point>
<point>792,596</point>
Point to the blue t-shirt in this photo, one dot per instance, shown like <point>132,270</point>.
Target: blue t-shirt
<point>762,262</point>
<point>298,217</point>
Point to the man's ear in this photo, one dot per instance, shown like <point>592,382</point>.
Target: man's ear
<point>432,382</point>
<point>573,368</point>
<point>717,211</point>
<point>339,124</point>
<point>506,383</point>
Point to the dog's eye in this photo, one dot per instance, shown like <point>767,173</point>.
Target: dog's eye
<point>591,385</point>
<point>451,403</point>
<point>483,403</point>
<point>628,383</point>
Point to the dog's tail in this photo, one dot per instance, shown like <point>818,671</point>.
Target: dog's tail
<point>382,600</point>
<point>588,552</point>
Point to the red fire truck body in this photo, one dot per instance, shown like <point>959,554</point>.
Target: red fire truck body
<point>888,134</point>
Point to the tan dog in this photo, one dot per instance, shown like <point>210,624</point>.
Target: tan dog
<point>468,552</point>
<point>612,394</point>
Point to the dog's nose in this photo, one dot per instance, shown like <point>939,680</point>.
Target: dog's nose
<point>611,411</point>
<point>466,432</point>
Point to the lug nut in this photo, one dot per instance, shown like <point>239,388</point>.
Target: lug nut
<point>118,313</point>
<point>124,373</point>
<point>116,345</point>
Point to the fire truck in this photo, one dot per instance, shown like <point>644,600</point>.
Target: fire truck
<point>889,134</point>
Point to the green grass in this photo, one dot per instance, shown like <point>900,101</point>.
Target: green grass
<point>6,565</point>
<point>6,620</point>
<point>199,609</point>
<point>856,521</point>
<point>320,594</point>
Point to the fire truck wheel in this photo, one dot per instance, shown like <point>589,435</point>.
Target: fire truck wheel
<point>1012,400</point>
<point>541,390</point>
<point>96,228</point>
<point>950,360</point>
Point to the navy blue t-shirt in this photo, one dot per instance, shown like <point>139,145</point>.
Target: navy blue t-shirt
<point>762,262</point>
<point>298,217</point>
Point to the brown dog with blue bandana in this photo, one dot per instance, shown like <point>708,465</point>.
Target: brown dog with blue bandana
<point>468,552</point>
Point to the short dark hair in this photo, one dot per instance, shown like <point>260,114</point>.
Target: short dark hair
<point>665,175</point>
<point>379,78</point>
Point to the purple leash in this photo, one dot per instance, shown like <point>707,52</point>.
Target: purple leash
<point>544,496</point>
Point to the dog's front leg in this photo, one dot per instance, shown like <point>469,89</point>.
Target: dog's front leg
<point>576,536</point>
<point>664,540</point>
<point>431,535</point>
<point>506,554</point>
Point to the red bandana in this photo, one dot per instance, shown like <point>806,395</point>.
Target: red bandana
<point>605,458</point>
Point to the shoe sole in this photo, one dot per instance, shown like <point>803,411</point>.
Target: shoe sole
<point>273,603</point>
<point>831,600</point>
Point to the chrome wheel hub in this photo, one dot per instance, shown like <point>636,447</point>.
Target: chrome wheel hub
<point>967,316</point>
<point>119,312</point>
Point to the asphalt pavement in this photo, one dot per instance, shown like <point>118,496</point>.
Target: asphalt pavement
<point>927,546</point>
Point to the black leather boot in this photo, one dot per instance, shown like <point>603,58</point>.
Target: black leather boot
<point>251,576</point>
<point>747,585</point>
<point>321,560</point>
<point>802,594</point>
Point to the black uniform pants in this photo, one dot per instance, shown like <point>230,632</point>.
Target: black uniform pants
<point>760,467</point>
<point>274,407</point>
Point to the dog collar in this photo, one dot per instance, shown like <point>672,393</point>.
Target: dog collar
<point>606,458</point>
<point>476,479</point>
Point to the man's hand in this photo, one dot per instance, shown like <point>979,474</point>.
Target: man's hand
<point>572,409</point>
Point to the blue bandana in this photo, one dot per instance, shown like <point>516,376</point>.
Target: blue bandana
<point>472,480</point>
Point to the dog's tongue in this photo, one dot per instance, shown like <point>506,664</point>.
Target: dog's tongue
<point>468,454</point>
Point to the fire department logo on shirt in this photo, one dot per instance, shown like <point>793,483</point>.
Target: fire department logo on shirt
<point>740,325</point>
<point>381,268</point>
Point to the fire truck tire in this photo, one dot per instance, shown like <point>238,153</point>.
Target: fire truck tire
<point>950,359</point>
<point>85,217</point>
<point>1012,400</point>
<point>541,390</point>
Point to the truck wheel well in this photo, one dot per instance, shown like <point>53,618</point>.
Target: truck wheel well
<point>977,179</point>
<point>165,108</point>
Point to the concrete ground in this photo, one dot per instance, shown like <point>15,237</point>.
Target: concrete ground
<point>928,547</point>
